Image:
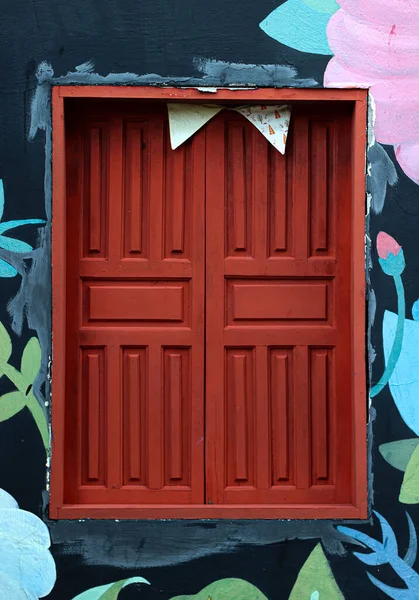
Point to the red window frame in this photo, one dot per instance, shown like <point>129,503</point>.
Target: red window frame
<point>359,508</point>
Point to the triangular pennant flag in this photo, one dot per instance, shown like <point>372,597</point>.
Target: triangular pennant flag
<point>272,121</point>
<point>186,119</point>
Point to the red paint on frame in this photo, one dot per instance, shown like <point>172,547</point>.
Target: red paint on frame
<point>133,244</point>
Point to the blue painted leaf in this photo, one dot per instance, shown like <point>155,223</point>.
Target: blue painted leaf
<point>361,537</point>
<point>6,270</point>
<point>13,245</point>
<point>411,553</point>
<point>415,311</point>
<point>404,381</point>
<point>19,223</point>
<point>299,26</point>
<point>1,199</point>
<point>392,592</point>
<point>389,539</point>
<point>324,6</point>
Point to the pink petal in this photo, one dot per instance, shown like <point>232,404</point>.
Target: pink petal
<point>386,245</point>
<point>386,13</point>
<point>397,110</point>
<point>377,50</point>
<point>408,158</point>
<point>337,75</point>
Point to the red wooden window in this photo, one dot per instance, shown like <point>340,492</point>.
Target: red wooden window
<point>208,312</point>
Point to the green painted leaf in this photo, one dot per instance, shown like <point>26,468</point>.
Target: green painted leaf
<point>11,404</point>
<point>398,454</point>
<point>31,361</point>
<point>5,344</point>
<point>409,492</point>
<point>109,591</point>
<point>316,576</point>
<point>14,375</point>
<point>227,589</point>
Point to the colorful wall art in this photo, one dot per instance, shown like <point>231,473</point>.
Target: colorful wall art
<point>374,45</point>
<point>368,44</point>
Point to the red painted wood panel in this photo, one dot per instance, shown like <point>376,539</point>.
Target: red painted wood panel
<point>278,343</point>
<point>135,332</point>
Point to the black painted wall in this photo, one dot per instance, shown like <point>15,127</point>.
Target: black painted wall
<point>173,40</point>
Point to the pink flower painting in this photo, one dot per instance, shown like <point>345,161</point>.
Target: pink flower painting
<point>375,45</point>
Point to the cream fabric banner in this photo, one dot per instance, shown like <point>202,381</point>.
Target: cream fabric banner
<point>271,120</point>
<point>187,119</point>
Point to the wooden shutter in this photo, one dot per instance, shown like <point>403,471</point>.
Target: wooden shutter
<point>278,311</point>
<point>135,297</point>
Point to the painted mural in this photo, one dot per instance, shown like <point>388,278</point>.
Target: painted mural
<point>374,45</point>
<point>371,44</point>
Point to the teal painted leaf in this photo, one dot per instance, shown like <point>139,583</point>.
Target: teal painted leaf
<point>325,6</point>
<point>109,591</point>
<point>31,361</point>
<point>5,344</point>
<point>7,270</point>
<point>14,245</point>
<point>301,24</point>
<point>11,404</point>
<point>13,224</point>
<point>1,199</point>
<point>398,454</point>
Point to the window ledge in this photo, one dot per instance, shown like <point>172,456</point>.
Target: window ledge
<point>204,511</point>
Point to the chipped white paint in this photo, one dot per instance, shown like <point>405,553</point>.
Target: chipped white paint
<point>371,121</point>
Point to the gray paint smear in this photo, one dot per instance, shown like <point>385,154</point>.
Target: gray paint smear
<point>214,74</point>
<point>157,543</point>
<point>382,173</point>
<point>372,307</point>
<point>33,300</point>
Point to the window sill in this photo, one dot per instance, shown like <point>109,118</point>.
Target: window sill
<point>203,511</point>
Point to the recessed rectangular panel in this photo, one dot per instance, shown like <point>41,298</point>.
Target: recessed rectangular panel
<point>147,302</point>
<point>177,200</point>
<point>263,301</point>
<point>240,410</point>
<point>177,403</point>
<point>321,390</point>
<point>239,193</point>
<point>95,191</point>
<point>93,415</point>
<point>279,203</point>
<point>322,188</point>
<point>281,415</point>
<point>136,189</point>
<point>134,399</point>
